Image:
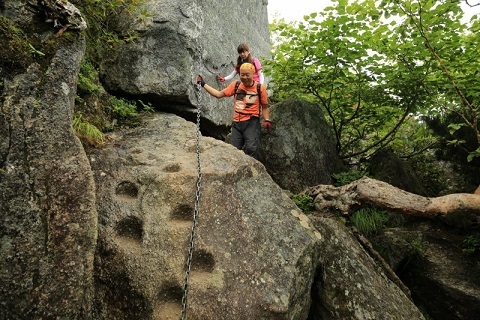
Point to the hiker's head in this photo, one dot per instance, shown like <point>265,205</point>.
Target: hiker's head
<point>246,73</point>
<point>243,50</point>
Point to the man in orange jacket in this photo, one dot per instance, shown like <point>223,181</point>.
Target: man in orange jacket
<point>246,129</point>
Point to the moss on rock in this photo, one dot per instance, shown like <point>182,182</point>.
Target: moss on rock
<point>15,54</point>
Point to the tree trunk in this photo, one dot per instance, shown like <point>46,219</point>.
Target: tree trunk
<point>461,209</point>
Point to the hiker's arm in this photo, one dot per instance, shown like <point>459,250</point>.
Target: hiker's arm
<point>265,112</point>
<point>262,78</point>
<point>231,75</point>
<point>214,92</point>
<point>267,124</point>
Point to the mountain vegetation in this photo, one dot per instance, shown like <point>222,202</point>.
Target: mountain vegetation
<point>391,73</point>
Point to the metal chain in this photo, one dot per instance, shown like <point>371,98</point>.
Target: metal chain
<point>183,315</point>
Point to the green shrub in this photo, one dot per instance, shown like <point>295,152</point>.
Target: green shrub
<point>146,107</point>
<point>87,132</point>
<point>123,110</point>
<point>304,202</point>
<point>88,79</point>
<point>369,221</point>
<point>103,36</point>
<point>346,177</point>
<point>471,244</point>
<point>418,247</point>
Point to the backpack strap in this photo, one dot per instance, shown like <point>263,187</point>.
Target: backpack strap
<point>236,86</point>
<point>259,92</point>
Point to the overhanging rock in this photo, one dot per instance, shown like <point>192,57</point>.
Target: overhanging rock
<point>180,40</point>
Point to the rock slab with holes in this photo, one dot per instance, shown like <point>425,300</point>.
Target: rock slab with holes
<point>254,251</point>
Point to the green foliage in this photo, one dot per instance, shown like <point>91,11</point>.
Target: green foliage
<point>374,66</point>
<point>87,132</point>
<point>418,247</point>
<point>346,177</point>
<point>473,154</point>
<point>103,34</point>
<point>330,62</point>
<point>369,221</point>
<point>471,244</point>
<point>146,107</point>
<point>115,112</point>
<point>304,202</point>
<point>123,110</point>
<point>34,51</point>
<point>88,79</point>
<point>456,141</point>
<point>413,138</point>
<point>15,48</point>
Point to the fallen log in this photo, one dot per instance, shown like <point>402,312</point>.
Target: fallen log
<point>459,209</point>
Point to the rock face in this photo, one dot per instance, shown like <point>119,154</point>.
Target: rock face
<point>300,151</point>
<point>350,284</point>
<point>181,40</point>
<point>47,194</point>
<point>255,253</point>
<point>444,280</point>
<point>387,167</point>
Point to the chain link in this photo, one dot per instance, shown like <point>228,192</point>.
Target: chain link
<point>183,315</point>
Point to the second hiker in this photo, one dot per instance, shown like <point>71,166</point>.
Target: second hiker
<point>244,55</point>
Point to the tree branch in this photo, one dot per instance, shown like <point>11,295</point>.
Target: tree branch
<point>392,131</point>
<point>453,209</point>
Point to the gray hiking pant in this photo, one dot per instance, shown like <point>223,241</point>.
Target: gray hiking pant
<point>246,136</point>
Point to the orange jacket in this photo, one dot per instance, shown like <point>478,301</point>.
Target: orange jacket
<point>246,102</point>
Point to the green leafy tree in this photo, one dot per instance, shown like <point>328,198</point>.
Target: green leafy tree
<point>440,40</point>
<point>375,66</point>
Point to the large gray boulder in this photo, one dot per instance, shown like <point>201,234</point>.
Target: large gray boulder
<point>443,279</point>
<point>350,284</point>
<point>386,166</point>
<point>300,151</point>
<point>47,194</point>
<point>181,40</point>
<point>255,253</point>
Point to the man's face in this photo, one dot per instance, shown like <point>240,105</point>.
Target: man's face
<point>246,77</point>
